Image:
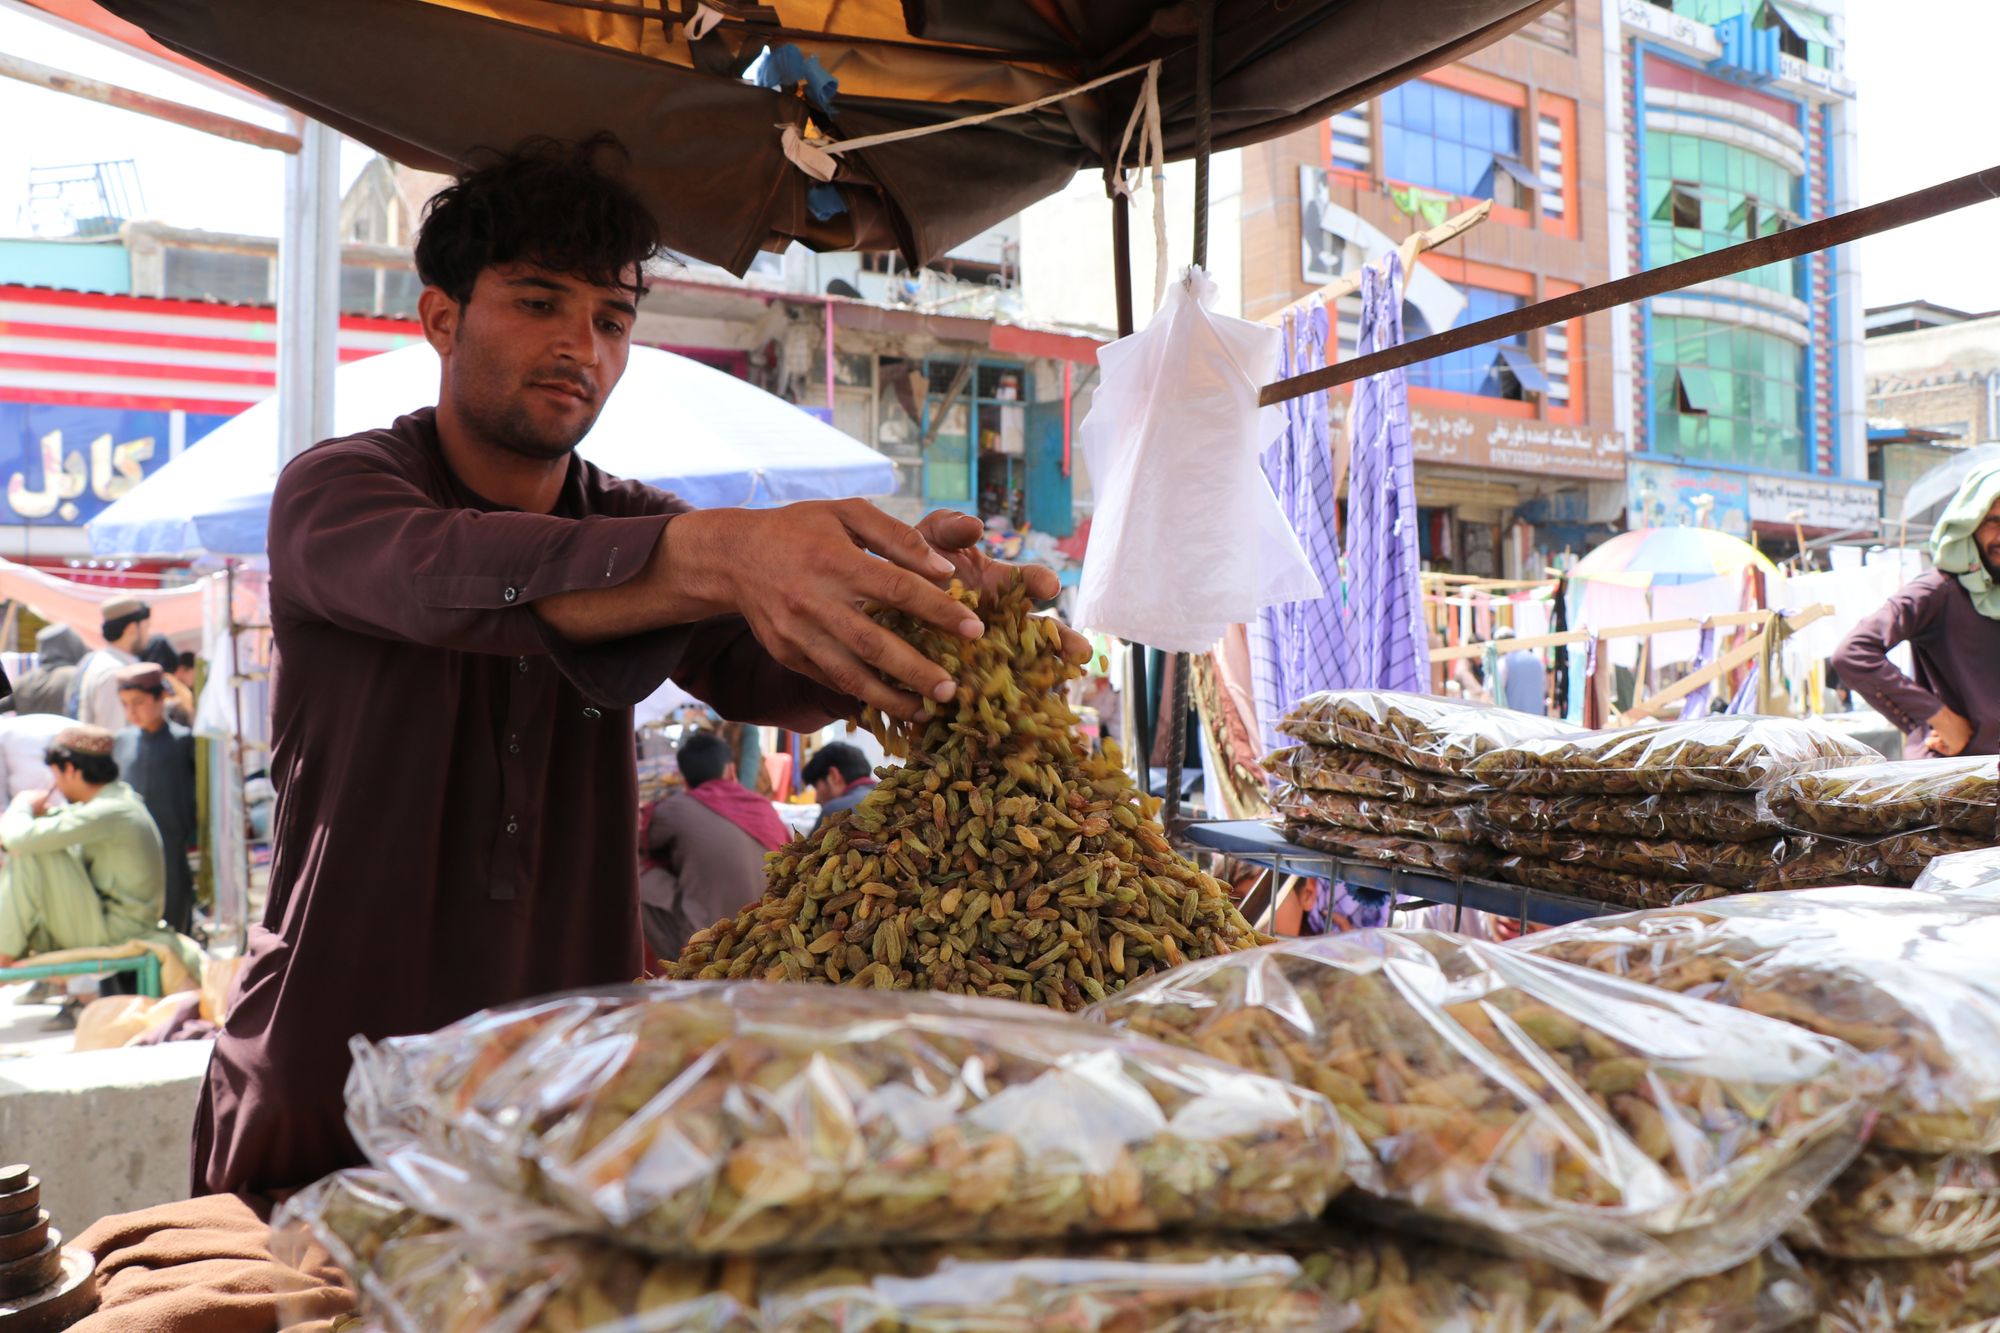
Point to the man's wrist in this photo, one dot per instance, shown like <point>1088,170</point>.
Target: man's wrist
<point>691,563</point>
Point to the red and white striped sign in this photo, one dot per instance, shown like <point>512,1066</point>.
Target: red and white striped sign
<point>86,349</point>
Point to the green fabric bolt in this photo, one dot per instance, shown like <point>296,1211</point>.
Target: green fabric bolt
<point>1952,547</point>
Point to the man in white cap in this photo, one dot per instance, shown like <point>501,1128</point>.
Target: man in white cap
<point>127,622</point>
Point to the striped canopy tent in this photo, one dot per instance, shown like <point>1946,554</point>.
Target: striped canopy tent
<point>1655,557</point>
<point>714,98</point>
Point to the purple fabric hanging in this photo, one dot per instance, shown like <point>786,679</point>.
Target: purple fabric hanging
<point>1696,704</point>
<point>1390,646</point>
<point>1745,700</point>
<point>1297,648</point>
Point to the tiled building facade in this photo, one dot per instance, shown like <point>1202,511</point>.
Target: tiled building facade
<point>1519,454</point>
<point>1735,122</point>
<point>1612,136</point>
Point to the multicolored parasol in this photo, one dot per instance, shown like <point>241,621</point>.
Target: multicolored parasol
<point>1655,557</point>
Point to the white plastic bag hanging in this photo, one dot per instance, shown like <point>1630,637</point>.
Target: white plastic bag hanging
<point>1188,538</point>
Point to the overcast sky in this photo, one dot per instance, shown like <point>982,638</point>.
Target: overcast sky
<point>1925,69</point>
<point>1927,83</point>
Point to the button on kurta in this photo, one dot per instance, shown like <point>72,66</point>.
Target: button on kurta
<point>510,594</point>
<point>524,666</point>
<point>592,713</point>
<point>513,827</point>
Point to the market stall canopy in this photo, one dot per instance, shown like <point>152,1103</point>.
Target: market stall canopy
<point>428,82</point>
<point>1662,557</point>
<point>1924,503</point>
<point>177,612</point>
<point>672,422</point>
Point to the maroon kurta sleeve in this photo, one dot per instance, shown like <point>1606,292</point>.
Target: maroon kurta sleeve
<point>364,548</point>
<point>1863,657</point>
<point>727,669</point>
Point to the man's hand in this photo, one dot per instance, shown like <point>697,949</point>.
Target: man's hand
<point>38,802</point>
<point>800,575</point>
<point>956,536</point>
<point>1949,734</point>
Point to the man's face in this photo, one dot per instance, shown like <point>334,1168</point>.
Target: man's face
<point>136,634</point>
<point>1987,538</point>
<point>531,358</point>
<point>829,786</point>
<point>144,709</point>
<point>69,783</point>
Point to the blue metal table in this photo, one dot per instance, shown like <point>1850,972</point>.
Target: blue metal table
<point>1257,843</point>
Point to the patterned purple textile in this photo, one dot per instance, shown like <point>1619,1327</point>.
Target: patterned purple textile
<point>1696,705</point>
<point>1746,695</point>
<point>1389,644</point>
<point>1297,648</point>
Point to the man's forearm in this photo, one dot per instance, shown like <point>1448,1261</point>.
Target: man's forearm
<point>1864,667</point>
<point>679,585</point>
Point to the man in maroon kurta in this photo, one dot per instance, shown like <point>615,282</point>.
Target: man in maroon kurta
<point>465,613</point>
<point>1952,707</point>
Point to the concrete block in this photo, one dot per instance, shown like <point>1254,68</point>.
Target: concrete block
<point>107,1131</point>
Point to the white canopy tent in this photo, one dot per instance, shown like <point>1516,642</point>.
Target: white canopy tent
<point>709,437</point>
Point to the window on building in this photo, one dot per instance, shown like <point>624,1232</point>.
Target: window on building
<point>1704,194</point>
<point>1550,158</point>
<point>215,275</point>
<point>1556,27</point>
<point>1801,32</point>
<point>357,289</point>
<point>1347,139</point>
<point>1744,218</point>
<point>1443,139</point>
<point>1556,362</point>
<point>400,289</point>
<point>973,419</point>
<point>1681,206</point>
<point>1504,369</point>
<point>370,289</point>
<point>1726,393</point>
<point>1696,389</point>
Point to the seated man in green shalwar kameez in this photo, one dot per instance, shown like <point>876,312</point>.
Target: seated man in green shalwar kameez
<point>88,874</point>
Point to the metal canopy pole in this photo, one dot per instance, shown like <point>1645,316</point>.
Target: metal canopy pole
<point>309,291</point>
<point>1813,237</point>
<point>1204,84</point>
<point>159,108</point>
<point>1137,752</point>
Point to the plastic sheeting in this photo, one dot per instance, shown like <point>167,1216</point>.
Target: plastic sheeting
<point>1188,538</point>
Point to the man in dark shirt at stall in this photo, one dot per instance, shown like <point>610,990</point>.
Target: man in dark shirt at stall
<point>156,756</point>
<point>1950,617</point>
<point>703,848</point>
<point>466,612</point>
<point>840,777</point>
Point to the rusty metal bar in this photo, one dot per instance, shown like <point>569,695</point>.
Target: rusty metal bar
<point>159,108</point>
<point>1813,237</point>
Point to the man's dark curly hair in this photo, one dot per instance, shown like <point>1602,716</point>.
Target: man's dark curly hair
<point>548,202</point>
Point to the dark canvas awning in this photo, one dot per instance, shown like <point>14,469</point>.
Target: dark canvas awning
<point>430,81</point>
